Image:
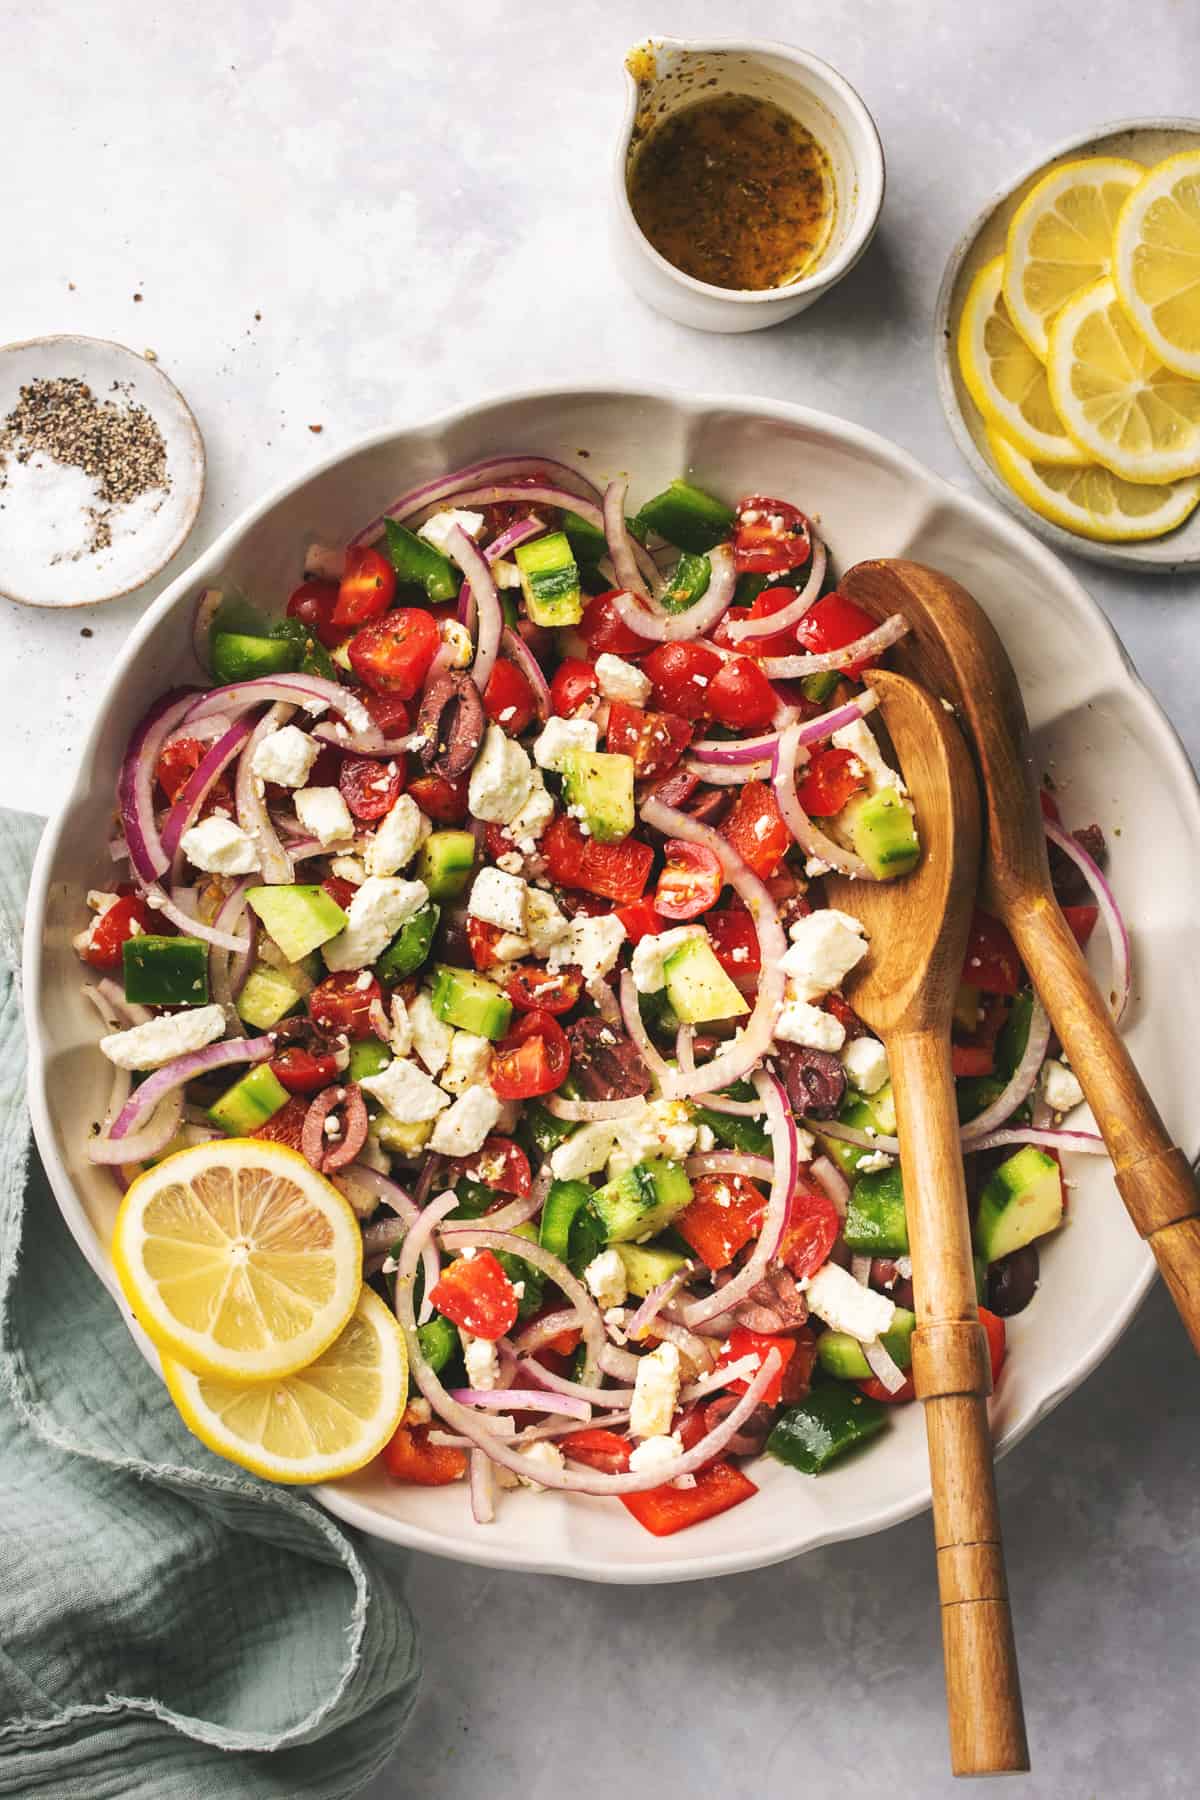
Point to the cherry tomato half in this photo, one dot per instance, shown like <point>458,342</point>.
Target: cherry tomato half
<point>388,712</point>
<point>740,695</point>
<point>440,799</point>
<point>300,1072</point>
<point>724,1213</point>
<point>602,628</point>
<point>547,990</point>
<point>655,740</point>
<point>367,587</point>
<point>992,962</point>
<point>615,871</point>
<point>532,1059</point>
<point>339,1004</point>
<point>392,655</point>
<point>110,930</point>
<point>691,881</point>
<point>735,943</point>
<point>640,920</point>
<point>313,603</point>
<point>508,698</point>
<point>573,686</point>
<point>769,537</point>
<point>500,1164</point>
<point>831,778</point>
<point>682,675</point>
<point>756,828</point>
<point>369,787</point>
<point>813,1226</point>
<point>833,622</point>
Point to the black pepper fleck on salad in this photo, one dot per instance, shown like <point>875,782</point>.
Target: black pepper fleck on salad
<point>488,879</point>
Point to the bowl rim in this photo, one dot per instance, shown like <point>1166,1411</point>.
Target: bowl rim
<point>1134,554</point>
<point>197,470</point>
<point>343,1503</point>
<point>870,170</point>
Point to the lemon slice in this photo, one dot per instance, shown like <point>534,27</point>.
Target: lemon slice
<point>1156,261</point>
<point>1004,378</point>
<point>238,1258</point>
<point>1060,240</point>
<point>1092,501</point>
<point>1116,399</point>
<point>323,1421</point>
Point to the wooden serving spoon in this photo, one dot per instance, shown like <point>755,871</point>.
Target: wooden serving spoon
<point>955,651</point>
<point>905,991</point>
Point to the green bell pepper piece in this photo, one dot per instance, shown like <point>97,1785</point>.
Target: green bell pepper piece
<point>418,564</point>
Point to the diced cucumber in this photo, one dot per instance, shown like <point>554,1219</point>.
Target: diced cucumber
<point>266,996</point>
<point>883,832</point>
<point>1022,1200</point>
<point>698,987</point>
<point>641,1201</point>
<point>405,1138</point>
<point>737,1132</point>
<point>409,949</point>
<point>570,1227</point>
<point>471,1002</point>
<point>418,564</point>
<point>862,1112</point>
<point>829,1422</point>
<point>687,517</point>
<point>875,1221</point>
<point>601,785</point>
<point>249,1103</point>
<point>1010,1045</point>
<point>239,657</point>
<point>165,971</point>
<point>841,1355</point>
<point>646,1266</point>
<point>550,580</point>
<point>367,1057</point>
<point>299,918</point>
<point>445,862</point>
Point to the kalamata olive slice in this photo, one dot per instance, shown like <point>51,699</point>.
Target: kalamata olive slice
<point>815,1080</point>
<point>605,1062</point>
<point>754,1433</point>
<point>1012,1282</point>
<point>451,722</point>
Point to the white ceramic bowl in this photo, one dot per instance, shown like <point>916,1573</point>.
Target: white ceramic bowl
<point>683,71</point>
<point>1107,745</point>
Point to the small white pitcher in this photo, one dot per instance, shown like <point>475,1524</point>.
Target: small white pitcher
<point>665,74</point>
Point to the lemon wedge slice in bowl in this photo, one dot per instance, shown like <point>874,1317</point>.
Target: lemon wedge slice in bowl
<point>1156,261</point>
<point>1060,239</point>
<point>238,1259</point>
<point>1120,404</point>
<point>1092,501</point>
<point>1004,378</point>
<point>323,1421</point>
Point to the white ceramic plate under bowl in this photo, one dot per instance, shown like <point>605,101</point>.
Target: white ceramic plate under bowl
<point>46,558</point>
<point>1146,141</point>
<point>1110,750</point>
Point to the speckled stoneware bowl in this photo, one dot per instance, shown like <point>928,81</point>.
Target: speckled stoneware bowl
<point>1141,140</point>
<point>1113,757</point>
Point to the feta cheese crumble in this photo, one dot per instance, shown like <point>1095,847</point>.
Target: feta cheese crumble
<point>655,1392</point>
<point>159,1041</point>
<point>462,1130</point>
<point>825,946</point>
<point>219,847</point>
<point>285,757</point>
<point>322,811</point>
<point>398,837</point>
<point>558,736</point>
<point>437,530</point>
<point>379,908</point>
<point>866,1064</point>
<point>406,1092</point>
<point>499,899</point>
<point>1060,1090</point>
<point>501,779</point>
<point>621,680</point>
<point>605,1277</point>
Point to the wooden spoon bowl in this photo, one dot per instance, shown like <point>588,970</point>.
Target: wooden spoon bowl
<point>905,990</point>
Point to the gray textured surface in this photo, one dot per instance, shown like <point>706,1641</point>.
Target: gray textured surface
<point>413,200</point>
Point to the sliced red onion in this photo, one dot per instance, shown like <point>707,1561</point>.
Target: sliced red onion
<point>833,1182</point>
<point>862,650</point>
<point>227,973</point>
<point>1110,912</point>
<point>562,1384</point>
<point>742,629</point>
<point>449,487</point>
<point>324,562</point>
<point>849,1134</point>
<point>754,1039</point>
<point>522,1400</point>
<point>482,1485</point>
<point>603,999</point>
<point>122,1080</point>
<point>730,1162</point>
<point>197,788</point>
<point>811,839</point>
<point>883,1366</point>
<point>727,774</point>
<point>736,750</point>
<point>468,1422</point>
<point>506,493</point>
<point>743,1109</point>
<point>159,900</point>
<point>655,1300</point>
<point>759,750</point>
<point>782,1128</point>
<point>253,817</point>
<point>1085,1142</point>
<point>133,1147</point>
<point>202,624</point>
<point>487,603</point>
<point>697,1351</point>
<point>1020,1085</point>
<point>620,547</point>
<point>296,690</point>
<point>372,742</point>
<point>128,1010</point>
<point>135,784</point>
<point>381,1188</point>
<point>543,1331</point>
<point>476,1234</point>
<point>671,628</point>
<point>123,1144</point>
<point>574,1111</point>
<point>860,1268</point>
<point>660,1072</point>
<point>518,652</point>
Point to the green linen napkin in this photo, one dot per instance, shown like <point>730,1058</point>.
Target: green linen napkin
<point>170,1627</point>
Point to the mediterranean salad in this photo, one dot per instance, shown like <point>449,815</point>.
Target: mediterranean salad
<point>465,958</point>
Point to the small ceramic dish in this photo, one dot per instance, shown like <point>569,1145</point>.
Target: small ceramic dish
<point>1146,141</point>
<point>1113,757</point>
<point>663,75</point>
<point>51,552</point>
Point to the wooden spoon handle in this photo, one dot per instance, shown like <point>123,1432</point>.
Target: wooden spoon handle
<point>1152,1174</point>
<point>952,1372</point>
